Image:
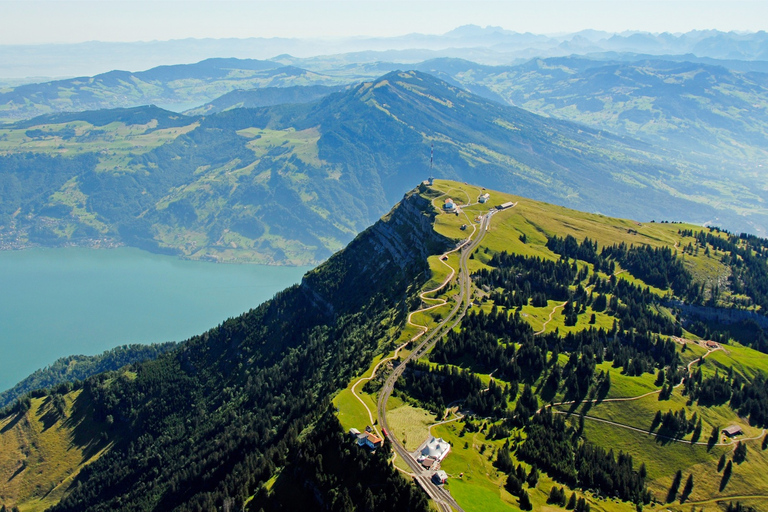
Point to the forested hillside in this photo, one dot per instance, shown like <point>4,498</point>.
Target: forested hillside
<point>75,368</point>
<point>216,418</point>
<point>595,368</point>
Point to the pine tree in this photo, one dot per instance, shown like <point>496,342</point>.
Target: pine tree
<point>554,496</point>
<point>721,463</point>
<point>672,493</point>
<point>656,421</point>
<point>696,432</point>
<point>571,502</point>
<point>713,437</point>
<point>687,489</point>
<point>533,476</point>
<point>525,501</point>
<point>740,453</point>
<point>726,475</point>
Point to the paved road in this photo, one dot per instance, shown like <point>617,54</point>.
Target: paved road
<point>439,494</point>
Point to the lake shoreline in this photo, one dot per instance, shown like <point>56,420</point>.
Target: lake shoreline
<point>63,301</point>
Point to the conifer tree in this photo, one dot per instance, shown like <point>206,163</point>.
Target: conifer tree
<point>533,476</point>
<point>687,489</point>
<point>672,493</point>
<point>525,501</point>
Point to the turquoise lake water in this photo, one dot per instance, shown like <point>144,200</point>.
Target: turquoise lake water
<point>59,302</point>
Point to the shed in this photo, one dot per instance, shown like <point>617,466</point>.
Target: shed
<point>440,477</point>
<point>353,432</point>
<point>732,431</point>
<point>373,441</point>
<point>504,206</point>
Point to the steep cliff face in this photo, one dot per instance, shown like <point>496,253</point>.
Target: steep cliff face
<point>382,261</point>
<point>215,418</point>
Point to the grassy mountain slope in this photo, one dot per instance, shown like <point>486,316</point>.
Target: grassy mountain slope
<point>480,431</point>
<point>293,183</point>
<point>216,417</point>
<point>43,449</point>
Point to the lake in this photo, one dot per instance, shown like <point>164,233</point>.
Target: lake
<point>60,302</point>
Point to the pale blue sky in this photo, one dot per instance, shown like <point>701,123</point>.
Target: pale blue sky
<point>46,21</point>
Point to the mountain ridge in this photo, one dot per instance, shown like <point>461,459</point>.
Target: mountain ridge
<point>293,183</point>
<point>230,415</point>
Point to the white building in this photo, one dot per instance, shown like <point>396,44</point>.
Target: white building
<point>449,205</point>
<point>436,448</point>
<point>484,198</point>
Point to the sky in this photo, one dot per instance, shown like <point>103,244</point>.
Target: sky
<point>72,21</point>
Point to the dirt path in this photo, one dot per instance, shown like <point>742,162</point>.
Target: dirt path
<point>728,498</point>
<point>423,328</point>
<point>551,314</point>
<point>662,436</point>
<point>458,417</point>
<point>631,398</point>
<point>373,374</point>
<point>646,431</point>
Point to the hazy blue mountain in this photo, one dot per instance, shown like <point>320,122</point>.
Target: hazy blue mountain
<point>711,114</point>
<point>166,85</point>
<point>489,45</point>
<point>265,97</point>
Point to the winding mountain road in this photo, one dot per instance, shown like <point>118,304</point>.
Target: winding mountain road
<point>439,494</point>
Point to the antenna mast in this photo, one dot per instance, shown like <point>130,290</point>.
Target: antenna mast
<point>431,157</point>
<point>431,179</point>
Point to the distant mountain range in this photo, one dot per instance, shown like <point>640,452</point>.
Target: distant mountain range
<point>293,183</point>
<point>265,97</point>
<point>487,45</point>
<point>190,85</point>
<point>712,112</point>
<point>700,109</point>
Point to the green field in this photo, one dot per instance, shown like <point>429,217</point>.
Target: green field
<point>474,481</point>
<point>43,451</point>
